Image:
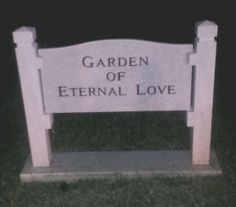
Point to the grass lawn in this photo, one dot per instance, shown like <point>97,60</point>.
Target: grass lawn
<point>115,131</point>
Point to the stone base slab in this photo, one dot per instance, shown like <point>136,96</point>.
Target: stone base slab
<point>72,166</point>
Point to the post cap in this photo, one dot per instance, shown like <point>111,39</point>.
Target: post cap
<point>206,30</point>
<point>24,35</point>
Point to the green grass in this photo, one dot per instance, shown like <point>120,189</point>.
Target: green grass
<point>120,131</point>
<point>115,131</point>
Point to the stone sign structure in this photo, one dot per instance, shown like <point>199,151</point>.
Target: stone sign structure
<point>117,76</point>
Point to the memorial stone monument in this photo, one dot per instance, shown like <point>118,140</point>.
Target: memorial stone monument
<point>117,76</point>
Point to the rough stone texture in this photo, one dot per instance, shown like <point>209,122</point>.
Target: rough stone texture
<point>71,166</point>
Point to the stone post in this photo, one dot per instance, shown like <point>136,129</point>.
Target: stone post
<point>38,123</point>
<point>200,117</point>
